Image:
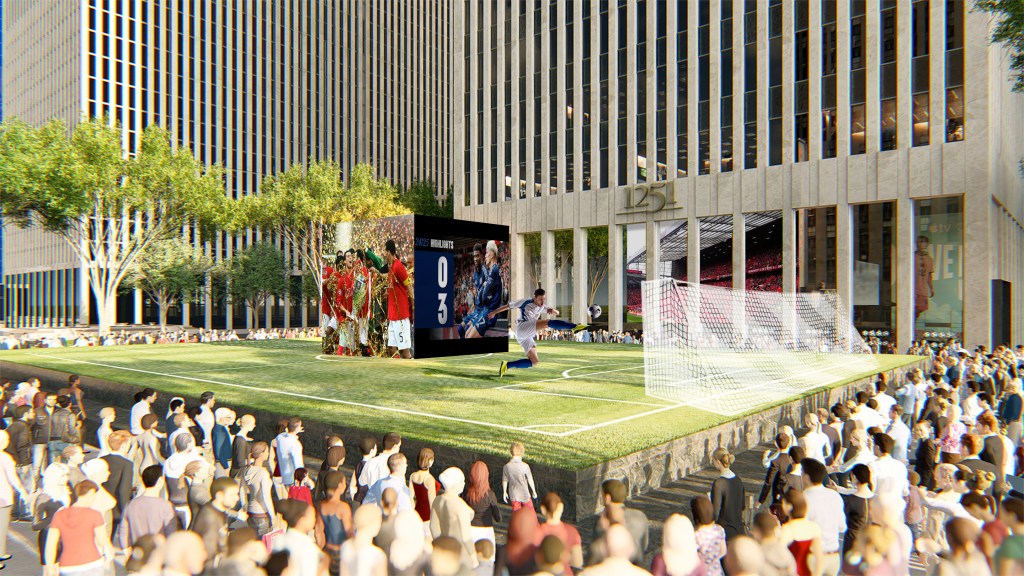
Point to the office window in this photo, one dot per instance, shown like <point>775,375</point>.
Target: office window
<point>954,70</point>
<point>750,83</point>
<point>703,88</point>
<point>725,78</point>
<point>920,74</point>
<point>858,87</point>
<point>829,117</point>
<point>775,82</point>
<point>802,89</point>
<point>887,79</point>
<point>682,130</point>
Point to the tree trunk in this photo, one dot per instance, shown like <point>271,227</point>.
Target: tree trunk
<point>163,316</point>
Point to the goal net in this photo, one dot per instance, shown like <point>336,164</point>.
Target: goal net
<point>731,351</point>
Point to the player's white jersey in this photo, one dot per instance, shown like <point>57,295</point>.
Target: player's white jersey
<point>528,311</point>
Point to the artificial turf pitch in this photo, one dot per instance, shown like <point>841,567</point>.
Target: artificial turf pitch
<point>583,405</point>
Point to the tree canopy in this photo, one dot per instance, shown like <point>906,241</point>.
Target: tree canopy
<point>255,275</point>
<point>108,207</point>
<point>169,271</point>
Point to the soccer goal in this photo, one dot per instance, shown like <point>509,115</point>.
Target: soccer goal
<point>731,351</point>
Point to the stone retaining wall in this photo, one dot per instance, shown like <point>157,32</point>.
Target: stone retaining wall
<point>644,471</point>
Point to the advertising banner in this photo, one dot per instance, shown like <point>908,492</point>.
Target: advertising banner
<point>938,269</point>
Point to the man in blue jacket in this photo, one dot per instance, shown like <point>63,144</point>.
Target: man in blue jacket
<point>221,440</point>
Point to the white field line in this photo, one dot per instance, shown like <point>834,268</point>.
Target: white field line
<point>578,396</point>
<point>565,373</point>
<point>692,402</point>
<point>570,377</point>
<point>297,395</point>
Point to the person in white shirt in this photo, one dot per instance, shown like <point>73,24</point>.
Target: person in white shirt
<point>900,434</point>
<point>143,403</point>
<point>107,416</point>
<point>825,508</point>
<point>884,400</point>
<point>289,451</point>
<point>377,467</point>
<point>889,474</point>
<point>815,443</point>
<point>206,420</point>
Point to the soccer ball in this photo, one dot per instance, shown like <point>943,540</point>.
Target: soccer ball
<point>595,311</point>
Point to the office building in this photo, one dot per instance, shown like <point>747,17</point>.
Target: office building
<point>882,135</point>
<point>256,87</point>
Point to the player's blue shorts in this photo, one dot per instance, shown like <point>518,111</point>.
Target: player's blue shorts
<point>478,319</point>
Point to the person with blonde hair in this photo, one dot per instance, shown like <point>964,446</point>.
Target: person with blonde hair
<point>678,556</point>
<point>107,416</point>
<point>97,470</point>
<point>517,479</point>
<point>409,553</point>
<point>727,494</point>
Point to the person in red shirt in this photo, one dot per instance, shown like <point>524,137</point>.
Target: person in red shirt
<point>399,324</point>
<point>81,534</point>
<point>328,322</point>
<point>362,295</point>
<point>343,305</point>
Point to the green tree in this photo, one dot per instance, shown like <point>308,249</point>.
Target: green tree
<point>421,198</point>
<point>597,255</point>
<point>256,275</point>
<point>105,206</point>
<point>169,271</point>
<point>304,204</point>
<point>1009,31</point>
<point>597,258</point>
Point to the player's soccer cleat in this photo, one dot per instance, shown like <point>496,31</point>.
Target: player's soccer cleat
<point>502,369</point>
<point>579,327</point>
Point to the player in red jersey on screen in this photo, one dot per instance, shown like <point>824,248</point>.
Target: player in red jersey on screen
<point>328,320</point>
<point>399,324</point>
<point>361,301</point>
<point>343,306</point>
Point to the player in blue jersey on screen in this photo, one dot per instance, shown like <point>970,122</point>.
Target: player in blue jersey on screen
<point>487,283</point>
<point>527,326</point>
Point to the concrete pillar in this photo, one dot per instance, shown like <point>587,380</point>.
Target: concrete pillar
<point>581,276</point>
<point>789,241</point>
<point>521,268</point>
<point>739,251</point>
<point>186,313</point>
<point>693,250</point>
<point>904,273</point>
<point>653,249</point>
<point>844,259</point>
<point>547,275</point>
<point>616,278</point>
<point>977,284</point>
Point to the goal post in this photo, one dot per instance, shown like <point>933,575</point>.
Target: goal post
<point>730,351</point>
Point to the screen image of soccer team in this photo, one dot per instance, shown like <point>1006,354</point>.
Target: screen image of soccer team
<point>374,304</point>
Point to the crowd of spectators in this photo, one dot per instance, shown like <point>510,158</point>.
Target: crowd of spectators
<point>919,470</point>
<point>71,338</point>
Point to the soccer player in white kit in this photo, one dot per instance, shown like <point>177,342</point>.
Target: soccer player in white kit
<point>529,324</point>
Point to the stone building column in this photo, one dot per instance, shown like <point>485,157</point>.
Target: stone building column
<point>904,273</point>
<point>616,278</point>
<point>581,276</point>
<point>547,275</point>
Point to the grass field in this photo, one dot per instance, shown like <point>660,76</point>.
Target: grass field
<point>584,404</point>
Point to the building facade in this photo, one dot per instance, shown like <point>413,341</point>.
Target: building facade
<point>882,135</point>
<point>255,87</point>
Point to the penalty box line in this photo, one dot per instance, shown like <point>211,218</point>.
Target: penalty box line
<point>304,396</point>
<point>693,403</point>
